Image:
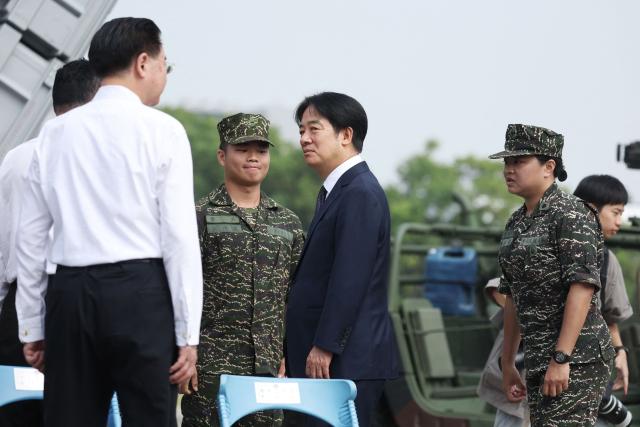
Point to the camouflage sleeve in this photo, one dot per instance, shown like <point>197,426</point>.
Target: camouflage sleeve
<point>296,250</point>
<point>201,218</point>
<point>504,287</point>
<point>579,239</point>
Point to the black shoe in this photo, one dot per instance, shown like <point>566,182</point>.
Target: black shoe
<point>614,412</point>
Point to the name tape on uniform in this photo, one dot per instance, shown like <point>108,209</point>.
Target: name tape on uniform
<point>28,379</point>
<point>287,393</point>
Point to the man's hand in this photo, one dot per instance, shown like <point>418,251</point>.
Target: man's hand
<point>282,370</point>
<point>34,354</point>
<point>190,385</point>
<point>512,384</point>
<point>185,367</point>
<point>556,380</point>
<point>622,376</point>
<point>318,362</point>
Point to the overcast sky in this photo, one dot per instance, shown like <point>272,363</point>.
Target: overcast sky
<point>456,71</point>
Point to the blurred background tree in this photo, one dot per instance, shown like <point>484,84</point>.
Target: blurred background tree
<point>427,187</point>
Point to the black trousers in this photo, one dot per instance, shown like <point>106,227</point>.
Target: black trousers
<point>26,413</point>
<point>109,328</point>
<point>367,400</point>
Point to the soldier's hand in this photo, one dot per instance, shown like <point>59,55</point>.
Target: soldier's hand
<point>185,366</point>
<point>512,384</point>
<point>34,354</point>
<point>190,385</point>
<point>622,376</point>
<point>318,362</point>
<point>282,371</point>
<point>556,379</point>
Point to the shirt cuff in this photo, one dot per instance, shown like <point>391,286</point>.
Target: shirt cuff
<point>32,330</point>
<point>184,336</point>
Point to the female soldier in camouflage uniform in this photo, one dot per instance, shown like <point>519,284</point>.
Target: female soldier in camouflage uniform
<point>549,256</point>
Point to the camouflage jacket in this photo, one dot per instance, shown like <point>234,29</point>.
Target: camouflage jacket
<point>247,273</point>
<point>541,255</point>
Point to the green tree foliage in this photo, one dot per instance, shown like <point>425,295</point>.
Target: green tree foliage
<point>427,188</point>
<point>203,136</point>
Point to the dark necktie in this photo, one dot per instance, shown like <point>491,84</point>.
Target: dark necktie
<point>322,196</point>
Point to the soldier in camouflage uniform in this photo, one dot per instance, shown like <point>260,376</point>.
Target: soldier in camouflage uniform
<point>549,256</point>
<point>250,248</point>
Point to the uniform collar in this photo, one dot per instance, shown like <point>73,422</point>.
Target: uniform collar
<point>545,202</point>
<point>220,197</point>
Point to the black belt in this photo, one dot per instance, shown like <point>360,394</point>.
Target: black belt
<point>113,264</point>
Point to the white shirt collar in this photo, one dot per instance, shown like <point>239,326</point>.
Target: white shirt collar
<point>335,175</point>
<point>115,92</point>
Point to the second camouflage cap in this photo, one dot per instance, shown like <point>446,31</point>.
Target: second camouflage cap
<point>242,127</point>
<point>525,140</point>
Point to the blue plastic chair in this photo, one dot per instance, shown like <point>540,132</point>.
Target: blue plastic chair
<point>329,400</point>
<point>9,392</point>
<point>114,419</point>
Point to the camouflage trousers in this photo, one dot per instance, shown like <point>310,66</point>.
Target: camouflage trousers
<point>201,409</point>
<point>576,406</point>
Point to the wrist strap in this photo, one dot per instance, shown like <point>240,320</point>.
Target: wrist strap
<point>619,348</point>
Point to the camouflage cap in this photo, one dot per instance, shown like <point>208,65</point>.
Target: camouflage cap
<point>526,140</point>
<point>242,127</point>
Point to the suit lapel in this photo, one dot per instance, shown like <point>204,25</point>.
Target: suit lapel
<point>336,192</point>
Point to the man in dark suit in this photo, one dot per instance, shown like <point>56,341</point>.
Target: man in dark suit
<point>337,323</point>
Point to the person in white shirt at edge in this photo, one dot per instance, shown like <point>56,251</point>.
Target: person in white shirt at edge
<point>114,179</point>
<point>75,84</point>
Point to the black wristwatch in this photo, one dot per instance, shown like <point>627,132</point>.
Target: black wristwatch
<point>619,348</point>
<point>560,357</point>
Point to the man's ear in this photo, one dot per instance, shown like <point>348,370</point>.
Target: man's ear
<point>141,65</point>
<point>221,157</point>
<point>347,136</point>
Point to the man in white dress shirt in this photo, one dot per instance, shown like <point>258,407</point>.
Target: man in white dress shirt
<point>75,84</point>
<point>114,178</point>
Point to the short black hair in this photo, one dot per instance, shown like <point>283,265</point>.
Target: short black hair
<point>601,190</point>
<point>75,84</point>
<point>119,41</point>
<point>341,110</point>
<point>559,172</point>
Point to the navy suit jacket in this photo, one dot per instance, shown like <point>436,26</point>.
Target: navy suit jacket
<point>338,300</point>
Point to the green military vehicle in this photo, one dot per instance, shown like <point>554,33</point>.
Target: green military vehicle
<point>442,356</point>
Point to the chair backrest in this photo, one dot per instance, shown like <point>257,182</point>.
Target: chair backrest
<point>114,419</point>
<point>330,400</point>
<point>20,383</point>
